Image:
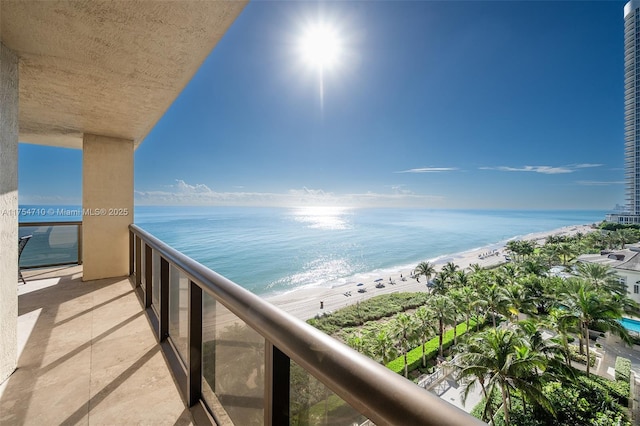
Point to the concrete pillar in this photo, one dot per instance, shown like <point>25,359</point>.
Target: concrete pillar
<point>8,211</point>
<point>107,203</point>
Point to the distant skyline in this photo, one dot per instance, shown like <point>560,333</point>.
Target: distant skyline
<point>476,104</point>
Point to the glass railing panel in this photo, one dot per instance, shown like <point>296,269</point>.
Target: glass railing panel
<point>312,403</point>
<point>49,245</point>
<point>155,284</point>
<point>179,310</point>
<point>232,366</point>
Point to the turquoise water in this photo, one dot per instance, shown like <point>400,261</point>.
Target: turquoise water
<point>275,250</point>
<point>631,325</point>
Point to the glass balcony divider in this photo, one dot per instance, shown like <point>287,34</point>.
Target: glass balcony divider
<point>241,360</point>
<point>51,244</point>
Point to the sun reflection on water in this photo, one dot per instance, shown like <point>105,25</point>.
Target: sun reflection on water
<point>323,217</point>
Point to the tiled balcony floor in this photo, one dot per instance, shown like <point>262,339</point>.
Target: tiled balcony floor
<point>87,356</point>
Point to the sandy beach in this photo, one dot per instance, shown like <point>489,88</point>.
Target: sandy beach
<point>305,303</point>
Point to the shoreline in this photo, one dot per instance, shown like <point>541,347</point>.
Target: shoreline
<point>305,303</point>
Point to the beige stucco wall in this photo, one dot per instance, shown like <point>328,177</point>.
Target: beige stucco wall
<point>630,279</point>
<point>8,211</point>
<point>107,203</point>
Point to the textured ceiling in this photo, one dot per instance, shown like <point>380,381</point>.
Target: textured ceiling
<point>109,68</point>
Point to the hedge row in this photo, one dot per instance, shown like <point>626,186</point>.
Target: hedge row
<point>382,306</point>
<point>414,357</point>
<point>619,390</point>
<point>623,369</point>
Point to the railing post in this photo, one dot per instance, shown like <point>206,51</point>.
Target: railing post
<point>277,386</point>
<point>163,331</point>
<point>131,252</point>
<point>148,276</point>
<point>80,243</point>
<point>138,261</point>
<point>194,369</point>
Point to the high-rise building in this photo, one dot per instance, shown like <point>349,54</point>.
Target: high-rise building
<point>631,213</point>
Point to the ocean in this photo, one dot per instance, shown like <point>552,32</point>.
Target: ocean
<point>276,250</point>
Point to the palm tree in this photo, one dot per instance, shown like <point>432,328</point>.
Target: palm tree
<point>442,307</point>
<point>564,323</point>
<point>591,306</point>
<point>509,272</point>
<point>515,302</point>
<point>424,320</point>
<point>456,302</point>
<point>459,279</point>
<point>628,305</point>
<point>622,237</point>
<point>531,331</point>
<point>567,252</point>
<point>550,253</point>
<point>535,265</point>
<point>426,269</point>
<point>495,300</point>
<point>468,299</point>
<point>475,267</point>
<point>405,333</point>
<point>449,270</point>
<point>601,277</point>
<point>521,249</point>
<point>382,346</point>
<point>500,359</point>
<point>440,283</point>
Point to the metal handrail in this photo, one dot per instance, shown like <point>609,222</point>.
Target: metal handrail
<point>77,223</point>
<point>375,391</point>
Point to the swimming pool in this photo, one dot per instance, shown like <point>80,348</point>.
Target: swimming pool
<point>630,324</point>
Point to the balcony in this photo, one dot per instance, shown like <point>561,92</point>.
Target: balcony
<point>176,343</point>
<point>87,356</point>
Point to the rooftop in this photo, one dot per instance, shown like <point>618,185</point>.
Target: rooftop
<point>627,259</point>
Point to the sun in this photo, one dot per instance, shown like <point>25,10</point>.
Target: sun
<point>321,47</point>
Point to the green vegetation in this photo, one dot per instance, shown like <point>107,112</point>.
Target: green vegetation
<point>369,310</point>
<point>431,348</point>
<point>585,401</point>
<point>610,226</point>
<point>623,369</point>
<point>529,377</point>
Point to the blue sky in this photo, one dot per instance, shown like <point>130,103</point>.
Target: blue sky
<point>431,104</point>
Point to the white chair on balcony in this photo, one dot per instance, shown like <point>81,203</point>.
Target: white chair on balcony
<point>22,241</point>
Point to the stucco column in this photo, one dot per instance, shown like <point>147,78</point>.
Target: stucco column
<point>8,211</point>
<point>107,204</point>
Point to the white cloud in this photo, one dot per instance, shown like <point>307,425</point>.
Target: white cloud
<point>547,170</point>
<point>429,170</point>
<point>184,187</point>
<point>587,165</point>
<point>185,194</point>
<point>400,190</point>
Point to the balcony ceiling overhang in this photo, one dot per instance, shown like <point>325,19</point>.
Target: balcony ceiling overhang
<point>109,68</point>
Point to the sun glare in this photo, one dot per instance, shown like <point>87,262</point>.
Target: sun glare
<point>320,47</point>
